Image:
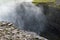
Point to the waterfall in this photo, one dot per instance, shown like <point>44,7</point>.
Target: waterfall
<point>24,15</point>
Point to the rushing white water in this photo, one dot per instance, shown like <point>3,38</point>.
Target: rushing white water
<point>24,15</point>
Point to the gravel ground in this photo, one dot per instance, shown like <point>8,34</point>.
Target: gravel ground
<point>9,32</point>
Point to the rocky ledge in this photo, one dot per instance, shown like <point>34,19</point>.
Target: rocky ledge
<point>9,32</point>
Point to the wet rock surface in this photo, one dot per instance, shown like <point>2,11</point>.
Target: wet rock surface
<point>9,32</point>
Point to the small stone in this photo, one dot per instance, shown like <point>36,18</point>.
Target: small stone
<point>10,24</point>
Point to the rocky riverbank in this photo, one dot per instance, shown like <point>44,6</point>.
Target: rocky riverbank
<point>9,32</point>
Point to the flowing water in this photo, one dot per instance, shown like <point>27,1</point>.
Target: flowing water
<point>24,15</point>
